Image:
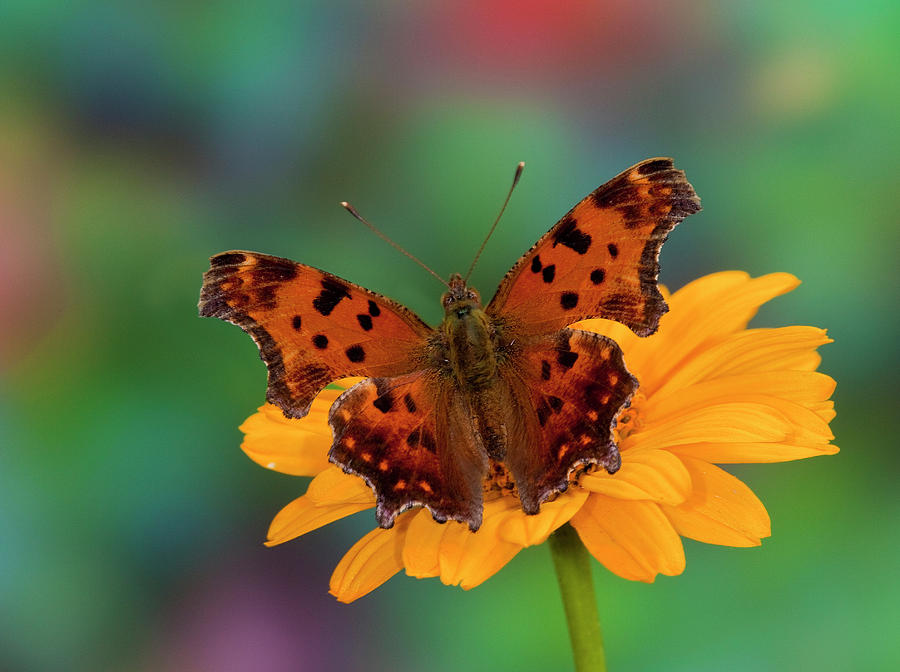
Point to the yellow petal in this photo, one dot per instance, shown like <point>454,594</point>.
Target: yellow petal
<point>747,352</point>
<point>722,510</point>
<point>453,552</point>
<point>736,453</point>
<point>614,330</point>
<point>330,496</point>
<point>469,558</point>
<point>295,446</point>
<point>371,561</point>
<point>807,388</point>
<point>303,515</point>
<point>421,551</point>
<point>703,312</point>
<point>755,419</point>
<point>292,446</point>
<point>333,486</point>
<point>630,538</point>
<point>655,475</point>
<point>517,527</point>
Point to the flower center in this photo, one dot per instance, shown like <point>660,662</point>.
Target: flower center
<point>629,420</point>
<point>499,482</point>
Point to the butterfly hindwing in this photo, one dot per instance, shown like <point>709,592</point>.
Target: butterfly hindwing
<point>311,327</point>
<point>570,388</point>
<point>601,259</point>
<point>410,438</point>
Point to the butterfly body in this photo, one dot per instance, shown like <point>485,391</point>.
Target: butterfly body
<point>508,386</point>
<point>468,338</point>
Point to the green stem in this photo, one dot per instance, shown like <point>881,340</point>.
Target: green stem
<point>573,570</point>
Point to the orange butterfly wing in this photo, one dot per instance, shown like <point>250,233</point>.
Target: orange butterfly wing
<point>601,259</point>
<point>410,438</point>
<point>569,388</point>
<point>311,327</point>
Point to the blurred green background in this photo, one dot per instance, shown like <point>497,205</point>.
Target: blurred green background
<point>137,139</point>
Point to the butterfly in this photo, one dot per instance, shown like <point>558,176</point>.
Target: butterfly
<point>503,393</point>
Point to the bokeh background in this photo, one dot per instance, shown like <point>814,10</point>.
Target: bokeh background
<point>137,139</point>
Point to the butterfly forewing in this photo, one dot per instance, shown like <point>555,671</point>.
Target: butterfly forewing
<point>601,259</point>
<point>311,327</point>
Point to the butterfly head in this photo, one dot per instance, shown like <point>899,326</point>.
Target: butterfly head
<point>461,299</point>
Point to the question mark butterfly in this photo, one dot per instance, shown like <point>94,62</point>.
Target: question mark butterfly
<point>501,393</point>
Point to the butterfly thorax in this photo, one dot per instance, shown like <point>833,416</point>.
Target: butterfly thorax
<point>468,337</point>
<point>472,349</point>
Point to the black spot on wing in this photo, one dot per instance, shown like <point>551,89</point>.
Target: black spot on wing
<point>613,250</point>
<point>597,276</point>
<point>428,441</point>
<point>536,264</point>
<point>365,321</point>
<point>567,358</point>
<point>355,353</point>
<point>374,310</point>
<point>410,404</point>
<point>543,412</point>
<point>571,236</point>
<point>568,300</point>
<point>384,401</point>
<point>297,322</point>
<point>549,272</point>
<point>320,341</point>
<point>333,292</point>
<point>545,369</point>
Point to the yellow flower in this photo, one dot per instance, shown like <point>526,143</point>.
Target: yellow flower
<point>711,392</point>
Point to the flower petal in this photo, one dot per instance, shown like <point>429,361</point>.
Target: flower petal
<point>700,313</point>
<point>630,538</point>
<point>330,496</point>
<point>751,351</point>
<point>295,446</point>
<point>289,445</point>
<point>803,387</point>
<point>371,561</point>
<point>303,515</point>
<point>467,558</point>
<point>459,556</point>
<point>656,475</point>
<point>333,486</point>
<point>751,419</point>
<point>524,530</point>
<point>736,453</point>
<point>421,552</point>
<point>722,510</point>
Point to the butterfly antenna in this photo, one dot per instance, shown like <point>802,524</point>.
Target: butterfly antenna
<point>349,208</point>
<point>515,181</point>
